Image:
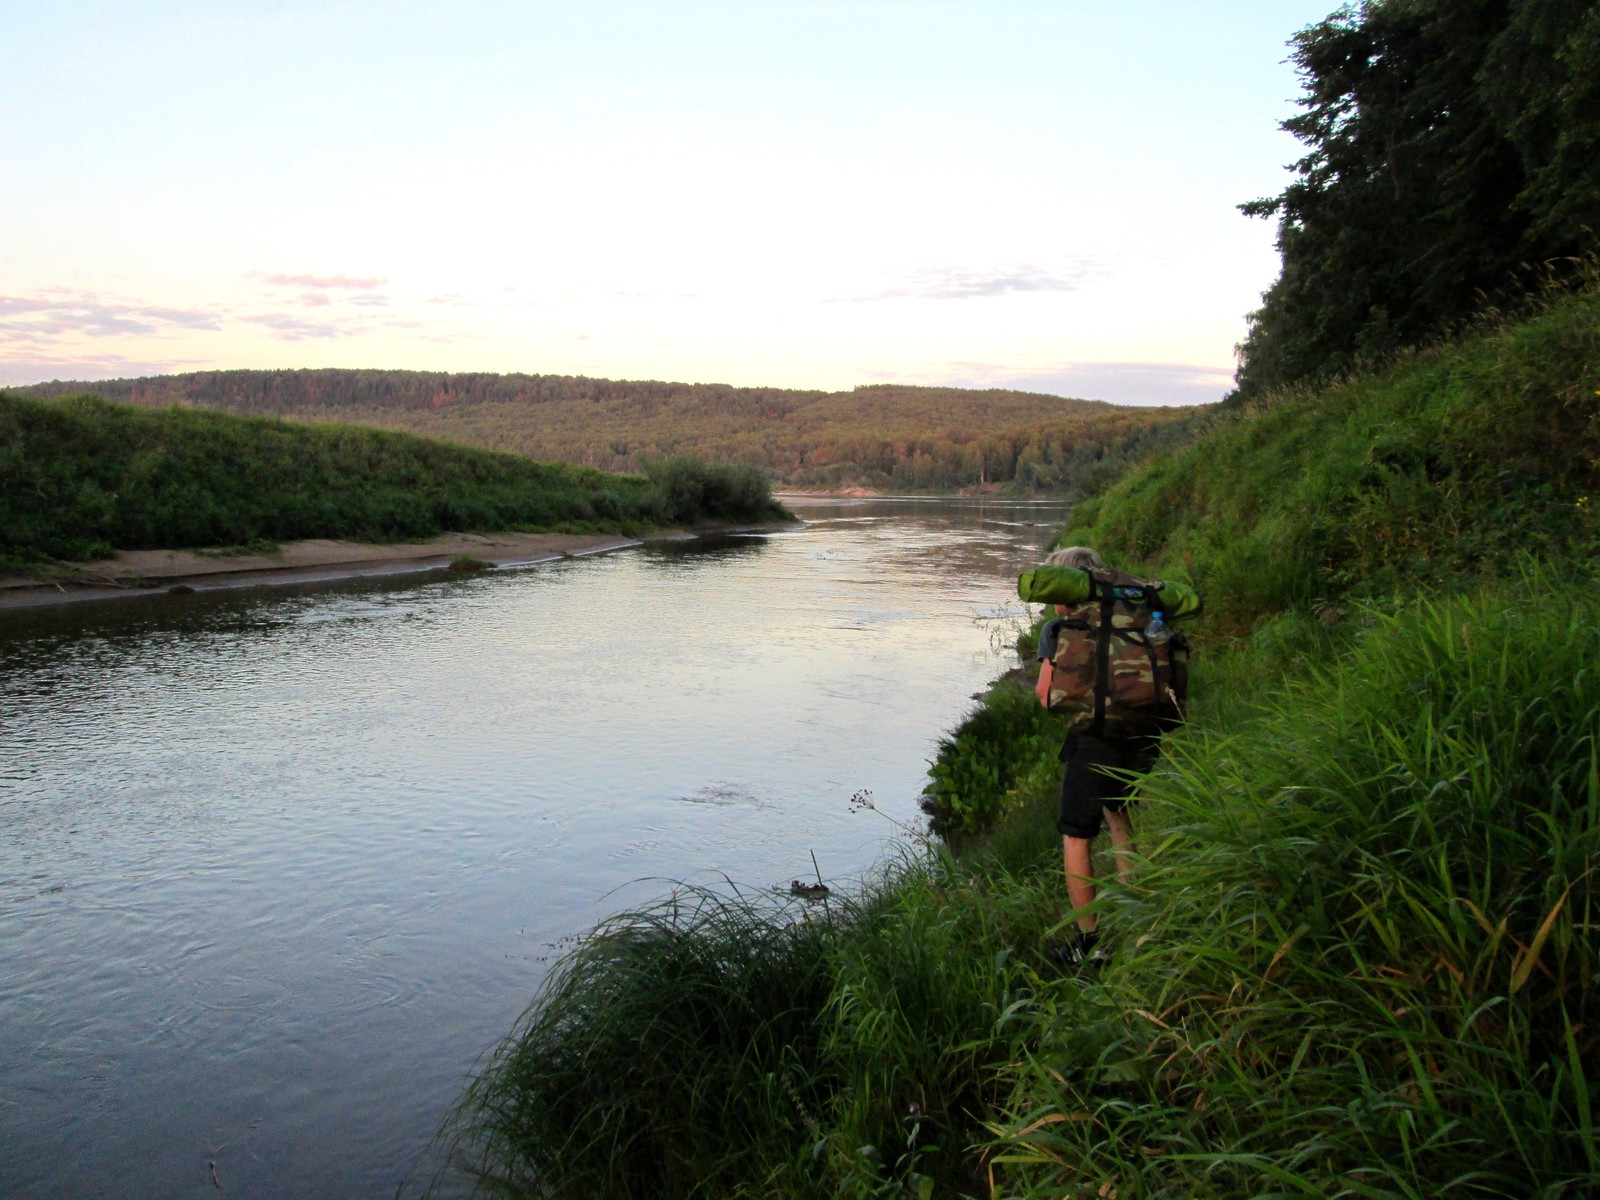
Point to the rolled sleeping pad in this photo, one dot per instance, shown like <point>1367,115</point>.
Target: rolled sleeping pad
<point>1051,584</point>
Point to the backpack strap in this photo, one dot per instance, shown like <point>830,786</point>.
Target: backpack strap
<point>1102,656</point>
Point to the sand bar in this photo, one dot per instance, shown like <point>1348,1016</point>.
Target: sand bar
<point>143,572</point>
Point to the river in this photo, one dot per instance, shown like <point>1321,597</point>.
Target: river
<point>277,866</point>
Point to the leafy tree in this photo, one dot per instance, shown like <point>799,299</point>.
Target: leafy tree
<point>1453,146</point>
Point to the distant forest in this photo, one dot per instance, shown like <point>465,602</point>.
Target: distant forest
<point>884,437</point>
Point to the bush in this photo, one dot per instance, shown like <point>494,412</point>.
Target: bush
<point>983,760</point>
<point>689,489</point>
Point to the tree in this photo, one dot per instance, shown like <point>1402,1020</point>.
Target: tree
<point>1451,150</point>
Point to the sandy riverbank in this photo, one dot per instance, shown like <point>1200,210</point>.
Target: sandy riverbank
<point>141,572</point>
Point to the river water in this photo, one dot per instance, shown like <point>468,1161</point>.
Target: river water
<point>278,865</point>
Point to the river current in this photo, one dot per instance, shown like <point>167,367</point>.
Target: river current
<point>277,866</point>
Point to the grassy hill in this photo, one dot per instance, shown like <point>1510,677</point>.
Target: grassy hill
<point>905,438</point>
<point>1360,958</point>
<point>81,476</point>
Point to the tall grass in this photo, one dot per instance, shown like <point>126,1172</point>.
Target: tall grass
<point>676,1051</point>
<point>80,476</point>
<point>1362,959</point>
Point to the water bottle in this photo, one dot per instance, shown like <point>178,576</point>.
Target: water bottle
<point>1158,631</point>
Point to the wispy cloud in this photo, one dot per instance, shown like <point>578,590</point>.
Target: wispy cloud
<point>965,283</point>
<point>56,312</point>
<point>323,291</point>
<point>16,372</point>
<point>54,332</point>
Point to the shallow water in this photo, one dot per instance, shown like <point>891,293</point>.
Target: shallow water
<point>278,865</point>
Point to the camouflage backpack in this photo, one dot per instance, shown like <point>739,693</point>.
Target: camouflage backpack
<point>1108,675</point>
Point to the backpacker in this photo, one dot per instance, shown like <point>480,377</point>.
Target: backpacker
<point>1108,675</point>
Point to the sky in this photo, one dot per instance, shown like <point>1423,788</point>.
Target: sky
<point>1034,195</point>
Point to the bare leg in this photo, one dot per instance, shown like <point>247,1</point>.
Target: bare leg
<point>1121,842</point>
<point>1080,877</point>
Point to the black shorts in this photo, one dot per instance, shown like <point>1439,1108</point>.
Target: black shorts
<point>1086,790</point>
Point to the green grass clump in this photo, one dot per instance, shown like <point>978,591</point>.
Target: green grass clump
<point>676,1051</point>
<point>1362,960</point>
<point>80,477</point>
<point>934,969</point>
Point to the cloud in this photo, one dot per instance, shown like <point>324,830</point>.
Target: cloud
<point>43,368</point>
<point>334,282</point>
<point>961,283</point>
<point>1116,382</point>
<point>55,312</point>
<point>42,333</point>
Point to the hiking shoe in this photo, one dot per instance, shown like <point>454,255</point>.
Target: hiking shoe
<point>1084,949</point>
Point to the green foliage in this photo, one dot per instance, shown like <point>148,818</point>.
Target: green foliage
<point>890,437</point>
<point>1449,465</point>
<point>1450,143</point>
<point>980,763</point>
<point>933,968</point>
<point>80,476</point>
<point>676,1051</point>
<point>691,490</point>
<point>1361,958</point>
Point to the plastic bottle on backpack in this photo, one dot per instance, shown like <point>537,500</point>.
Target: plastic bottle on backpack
<point>1158,631</point>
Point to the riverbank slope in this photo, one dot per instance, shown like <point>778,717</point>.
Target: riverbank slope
<point>1358,955</point>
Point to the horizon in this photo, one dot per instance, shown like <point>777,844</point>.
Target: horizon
<point>1026,196</point>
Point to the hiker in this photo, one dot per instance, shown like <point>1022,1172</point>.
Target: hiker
<point>1120,696</point>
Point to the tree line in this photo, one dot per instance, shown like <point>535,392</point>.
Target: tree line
<point>888,436</point>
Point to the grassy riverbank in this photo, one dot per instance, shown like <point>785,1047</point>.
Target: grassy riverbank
<point>80,477</point>
<point>1360,957</point>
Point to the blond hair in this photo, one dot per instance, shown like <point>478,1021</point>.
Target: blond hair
<point>1080,557</point>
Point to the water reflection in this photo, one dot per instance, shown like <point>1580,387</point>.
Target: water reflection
<point>277,866</point>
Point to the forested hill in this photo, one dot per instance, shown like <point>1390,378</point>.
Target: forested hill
<point>890,437</point>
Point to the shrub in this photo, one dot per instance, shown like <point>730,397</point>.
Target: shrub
<point>984,758</point>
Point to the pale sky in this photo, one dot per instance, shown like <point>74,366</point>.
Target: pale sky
<point>789,194</point>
